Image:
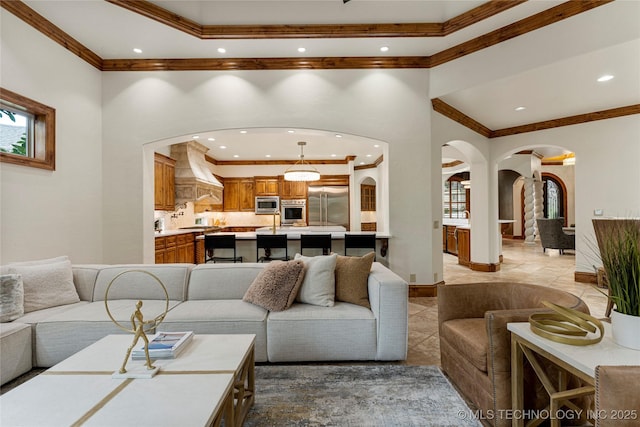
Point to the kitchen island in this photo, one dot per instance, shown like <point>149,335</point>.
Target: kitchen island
<point>246,246</point>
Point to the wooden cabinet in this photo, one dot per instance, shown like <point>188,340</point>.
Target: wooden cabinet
<point>292,189</point>
<point>367,197</point>
<point>266,186</point>
<point>464,246</point>
<point>164,183</point>
<point>179,248</point>
<point>238,195</point>
<point>452,244</point>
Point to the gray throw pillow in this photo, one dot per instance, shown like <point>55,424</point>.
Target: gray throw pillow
<point>47,285</point>
<point>319,284</point>
<point>11,297</point>
<point>275,288</point>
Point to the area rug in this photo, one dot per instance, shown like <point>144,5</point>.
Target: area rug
<point>356,395</point>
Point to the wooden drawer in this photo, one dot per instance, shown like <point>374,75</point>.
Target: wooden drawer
<point>181,239</point>
<point>171,241</point>
<point>161,242</point>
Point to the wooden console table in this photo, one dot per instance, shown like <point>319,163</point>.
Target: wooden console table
<point>580,361</point>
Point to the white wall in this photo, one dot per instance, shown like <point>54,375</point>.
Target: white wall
<point>388,105</point>
<point>45,214</point>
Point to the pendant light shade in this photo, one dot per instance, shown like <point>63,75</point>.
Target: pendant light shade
<point>301,171</point>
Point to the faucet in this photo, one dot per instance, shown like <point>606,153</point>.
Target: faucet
<point>468,216</point>
<point>275,213</point>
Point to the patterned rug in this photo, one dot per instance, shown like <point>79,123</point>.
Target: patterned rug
<point>356,395</point>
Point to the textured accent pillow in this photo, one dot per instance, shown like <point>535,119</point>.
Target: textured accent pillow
<point>11,297</point>
<point>276,286</point>
<point>47,285</point>
<point>352,278</point>
<point>319,284</point>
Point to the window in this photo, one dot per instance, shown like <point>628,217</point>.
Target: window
<point>27,131</point>
<point>454,200</point>
<point>554,196</point>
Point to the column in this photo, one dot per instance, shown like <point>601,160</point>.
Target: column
<point>529,211</point>
<point>539,205</point>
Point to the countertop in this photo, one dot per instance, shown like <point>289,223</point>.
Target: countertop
<point>293,233</point>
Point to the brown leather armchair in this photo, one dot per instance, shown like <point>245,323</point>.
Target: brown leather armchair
<point>475,345</point>
<point>617,396</point>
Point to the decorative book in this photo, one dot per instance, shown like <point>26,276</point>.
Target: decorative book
<point>164,345</point>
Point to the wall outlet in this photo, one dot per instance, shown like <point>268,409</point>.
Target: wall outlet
<point>436,224</point>
<point>598,212</point>
<point>412,277</point>
<point>435,277</point>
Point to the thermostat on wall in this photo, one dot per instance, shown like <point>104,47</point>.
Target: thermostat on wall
<point>597,212</point>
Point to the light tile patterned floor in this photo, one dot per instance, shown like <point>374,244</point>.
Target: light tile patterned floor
<point>522,263</point>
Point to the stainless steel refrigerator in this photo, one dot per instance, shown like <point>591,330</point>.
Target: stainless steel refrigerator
<point>329,205</point>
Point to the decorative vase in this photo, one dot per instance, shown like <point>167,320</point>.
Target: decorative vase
<point>626,330</point>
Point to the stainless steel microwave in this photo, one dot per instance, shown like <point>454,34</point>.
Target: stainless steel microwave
<point>267,205</point>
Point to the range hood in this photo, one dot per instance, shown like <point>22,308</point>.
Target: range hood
<point>193,180</point>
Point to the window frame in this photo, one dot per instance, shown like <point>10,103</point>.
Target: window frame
<point>43,154</point>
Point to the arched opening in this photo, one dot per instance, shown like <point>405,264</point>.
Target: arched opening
<point>368,205</point>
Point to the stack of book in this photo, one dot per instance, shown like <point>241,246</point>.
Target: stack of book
<point>164,345</point>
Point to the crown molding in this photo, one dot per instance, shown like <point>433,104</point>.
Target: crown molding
<point>311,31</point>
<point>452,113</point>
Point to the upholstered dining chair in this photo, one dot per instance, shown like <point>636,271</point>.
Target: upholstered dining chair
<point>552,236</point>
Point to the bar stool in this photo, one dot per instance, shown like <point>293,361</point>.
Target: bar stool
<point>269,242</point>
<point>215,241</point>
<point>359,241</point>
<point>315,241</point>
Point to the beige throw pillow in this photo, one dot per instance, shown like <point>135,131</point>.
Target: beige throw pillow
<point>46,285</point>
<point>319,284</point>
<point>11,297</point>
<point>352,278</point>
<point>276,286</point>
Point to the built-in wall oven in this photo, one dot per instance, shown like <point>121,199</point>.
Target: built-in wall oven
<point>293,212</point>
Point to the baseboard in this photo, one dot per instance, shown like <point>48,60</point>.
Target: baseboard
<point>500,258</point>
<point>424,290</point>
<point>584,277</point>
<point>487,268</point>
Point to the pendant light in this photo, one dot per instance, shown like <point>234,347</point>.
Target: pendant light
<point>301,171</point>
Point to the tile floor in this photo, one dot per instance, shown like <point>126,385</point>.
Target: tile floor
<point>521,263</point>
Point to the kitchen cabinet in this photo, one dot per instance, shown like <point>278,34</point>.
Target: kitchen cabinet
<point>464,246</point>
<point>367,197</point>
<point>178,248</point>
<point>452,244</point>
<point>292,189</point>
<point>238,195</point>
<point>164,183</point>
<point>266,186</point>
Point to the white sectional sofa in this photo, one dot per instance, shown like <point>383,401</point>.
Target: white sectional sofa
<point>207,299</point>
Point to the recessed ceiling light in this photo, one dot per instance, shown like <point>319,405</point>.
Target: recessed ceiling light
<point>222,147</point>
<point>267,155</point>
<point>222,50</point>
<point>211,139</point>
<point>291,131</point>
<point>236,156</point>
<point>338,135</point>
<point>376,146</point>
<point>333,155</point>
<point>243,131</point>
<point>368,155</point>
<point>302,49</point>
<point>137,50</point>
<point>195,136</point>
<point>520,108</point>
<point>384,49</point>
<point>605,78</point>
<point>362,163</point>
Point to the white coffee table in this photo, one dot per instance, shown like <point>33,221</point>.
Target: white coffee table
<point>212,379</point>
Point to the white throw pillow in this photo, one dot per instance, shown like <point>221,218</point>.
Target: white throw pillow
<point>46,285</point>
<point>11,297</point>
<point>319,284</point>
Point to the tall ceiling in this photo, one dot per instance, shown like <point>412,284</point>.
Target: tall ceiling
<point>605,40</point>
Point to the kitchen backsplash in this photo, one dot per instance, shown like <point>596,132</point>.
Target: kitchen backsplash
<point>187,218</point>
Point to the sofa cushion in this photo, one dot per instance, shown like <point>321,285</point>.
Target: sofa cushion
<point>46,284</point>
<point>319,284</point>
<point>15,350</point>
<point>11,297</point>
<point>469,338</point>
<point>212,281</point>
<point>276,287</point>
<point>139,282</point>
<point>352,274</point>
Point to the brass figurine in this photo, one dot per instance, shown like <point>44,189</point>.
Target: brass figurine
<point>138,323</point>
